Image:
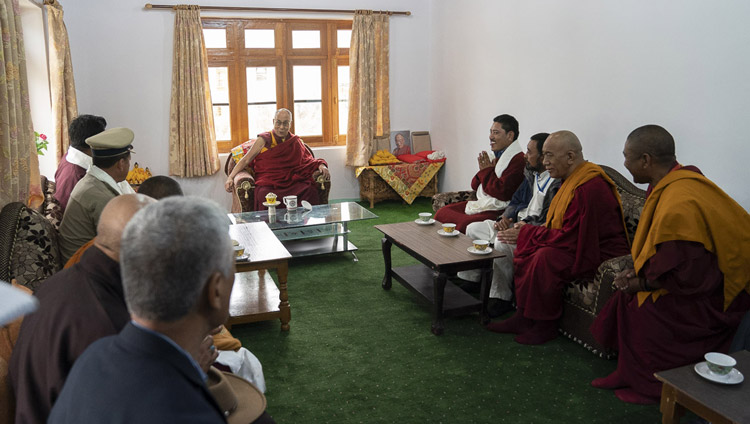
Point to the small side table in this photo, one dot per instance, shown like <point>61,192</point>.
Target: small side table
<point>684,389</point>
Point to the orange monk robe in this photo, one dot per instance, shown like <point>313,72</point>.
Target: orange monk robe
<point>584,228</point>
<point>693,240</point>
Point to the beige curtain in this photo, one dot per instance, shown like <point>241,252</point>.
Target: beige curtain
<point>369,115</point>
<point>19,164</point>
<point>62,85</point>
<point>192,141</point>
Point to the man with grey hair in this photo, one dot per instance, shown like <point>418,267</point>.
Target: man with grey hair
<point>178,271</point>
<point>281,162</point>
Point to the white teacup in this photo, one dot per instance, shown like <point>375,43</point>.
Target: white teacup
<point>239,250</point>
<point>425,216</point>
<point>719,363</point>
<point>449,228</point>
<point>481,245</point>
<point>290,202</point>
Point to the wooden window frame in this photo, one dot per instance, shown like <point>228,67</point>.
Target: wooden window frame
<point>236,58</point>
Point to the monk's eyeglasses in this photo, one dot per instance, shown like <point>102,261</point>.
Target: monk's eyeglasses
<point>282,123</point>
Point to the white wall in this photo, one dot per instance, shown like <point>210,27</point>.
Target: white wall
<point>600,69</point>
<point>122,60</point>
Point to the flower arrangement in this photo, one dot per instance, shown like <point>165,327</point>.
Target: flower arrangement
<point>41,143</point>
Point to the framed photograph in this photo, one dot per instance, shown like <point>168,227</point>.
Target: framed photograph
<point>420,141</point>
<point>401,143</point>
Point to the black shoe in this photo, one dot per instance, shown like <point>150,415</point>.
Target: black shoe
<point>469,286</point>
<point>498,307</point>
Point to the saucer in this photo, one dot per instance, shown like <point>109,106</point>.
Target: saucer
<point>479,252</point>
<point>277,203</point>
<point>734,376</point>
<point>242,258</point>
<point>420,222</point>
<point>444,234</point>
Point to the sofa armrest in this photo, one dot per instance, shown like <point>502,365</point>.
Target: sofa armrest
<point>605,277</point>
<point>443,199</point>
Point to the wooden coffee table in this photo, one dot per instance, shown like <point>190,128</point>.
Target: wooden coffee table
<point>254,296</point>
<point>718,403</point>
<point>441,257</point>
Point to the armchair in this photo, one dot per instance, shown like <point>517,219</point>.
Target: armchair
<point>244,186</point>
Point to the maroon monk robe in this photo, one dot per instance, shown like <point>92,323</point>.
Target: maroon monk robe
<point>546,259</point>
<point>66,178</point>
<point>285,170</point>
<point>679,327</point>
<point>500,188</point>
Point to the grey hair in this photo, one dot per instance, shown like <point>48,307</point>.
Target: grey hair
<point>283,110</point>
<point>169,251</point>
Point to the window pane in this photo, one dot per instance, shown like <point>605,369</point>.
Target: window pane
<point>218,81</point>
<point>343,38</point>
<point>222,124</point>
<point>215,38</point>
<point>259,39</point>
<point>261,98</point>
<point>343,98</point>
<point>305,39</point>
<point>308,103</point>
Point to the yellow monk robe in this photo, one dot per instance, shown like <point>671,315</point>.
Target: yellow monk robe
<point>695,209</point>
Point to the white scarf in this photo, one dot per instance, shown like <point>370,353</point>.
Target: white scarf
<point>484,201</point>
<point>542,183</point>
<point>77,157</point>
<point>121,188</point>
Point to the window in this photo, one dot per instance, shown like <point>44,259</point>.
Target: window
<point>257,66</point>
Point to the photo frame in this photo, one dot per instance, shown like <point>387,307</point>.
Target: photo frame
<point>420,141</point>
<point>401,142</point>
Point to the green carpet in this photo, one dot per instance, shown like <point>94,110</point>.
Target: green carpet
<point>359,354</point>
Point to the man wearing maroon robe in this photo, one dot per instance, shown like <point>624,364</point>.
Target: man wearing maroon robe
<point>77,306</point>
<point>282,164</point>
<point>77,160</point>
<point>584,228</point>
<point>690,290</point>
<point>496,180</point>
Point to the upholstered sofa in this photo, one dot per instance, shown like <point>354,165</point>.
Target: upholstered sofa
<point>584,298</point>
<point>243,194</point>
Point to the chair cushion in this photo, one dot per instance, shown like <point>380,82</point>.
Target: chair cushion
<point>29,246</point>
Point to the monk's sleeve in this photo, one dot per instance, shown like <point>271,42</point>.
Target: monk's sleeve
<point>502,188</point>
<point>684,268</point>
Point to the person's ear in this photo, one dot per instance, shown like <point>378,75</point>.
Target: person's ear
<point>214,290</point>
<point>647,159</point>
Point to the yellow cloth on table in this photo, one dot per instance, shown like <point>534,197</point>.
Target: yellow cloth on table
<point>395,177</point>
<point>239,151</point>
<point>564,196</point>
<point>693,208</point>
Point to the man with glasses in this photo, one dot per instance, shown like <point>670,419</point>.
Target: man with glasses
<point>281,162</point>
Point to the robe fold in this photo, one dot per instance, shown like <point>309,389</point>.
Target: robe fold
<point>77,306</point>
<point>501,188</point>
<point>547,258</point>
<point>689,318</point>
<point>285,169</point>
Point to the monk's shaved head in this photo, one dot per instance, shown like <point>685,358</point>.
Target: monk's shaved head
<point>567,141</point>
<point>115,216</point>
<point>654,141</point>
<point>562,154</point>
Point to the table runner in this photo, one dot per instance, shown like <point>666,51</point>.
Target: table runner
<point>407,179</point>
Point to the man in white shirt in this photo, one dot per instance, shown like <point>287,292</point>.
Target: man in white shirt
<point>110,165</point>
<point>528,206</point>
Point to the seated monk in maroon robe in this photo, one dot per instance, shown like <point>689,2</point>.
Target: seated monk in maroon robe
<point>584,228</point>
<point>496,180</point>
<point>282,164</point>
<point>689,289</point>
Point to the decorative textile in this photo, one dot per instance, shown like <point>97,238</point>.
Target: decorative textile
<point>369,110</point>
<point>19,164</point>
<point>192,140</point>
<point>485,201</point>
<point>687,206</point>
<point>29,249</point>
<point>51,208</point>
<point>407,179</point>
<point>62,84</point>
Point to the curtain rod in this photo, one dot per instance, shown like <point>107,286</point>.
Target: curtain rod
<point>273,9</point>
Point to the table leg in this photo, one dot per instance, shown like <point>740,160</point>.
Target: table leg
<point>484,316</point>
<point>386,244</point>
<point>439,280</point>
<point>671,411</point>
<point>286,313</point>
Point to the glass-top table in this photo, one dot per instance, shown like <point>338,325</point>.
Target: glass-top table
<point>307,232</point>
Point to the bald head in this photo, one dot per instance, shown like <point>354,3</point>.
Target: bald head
<point>562,154</point>
<point>115,216</point>
<point>655,141</point>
